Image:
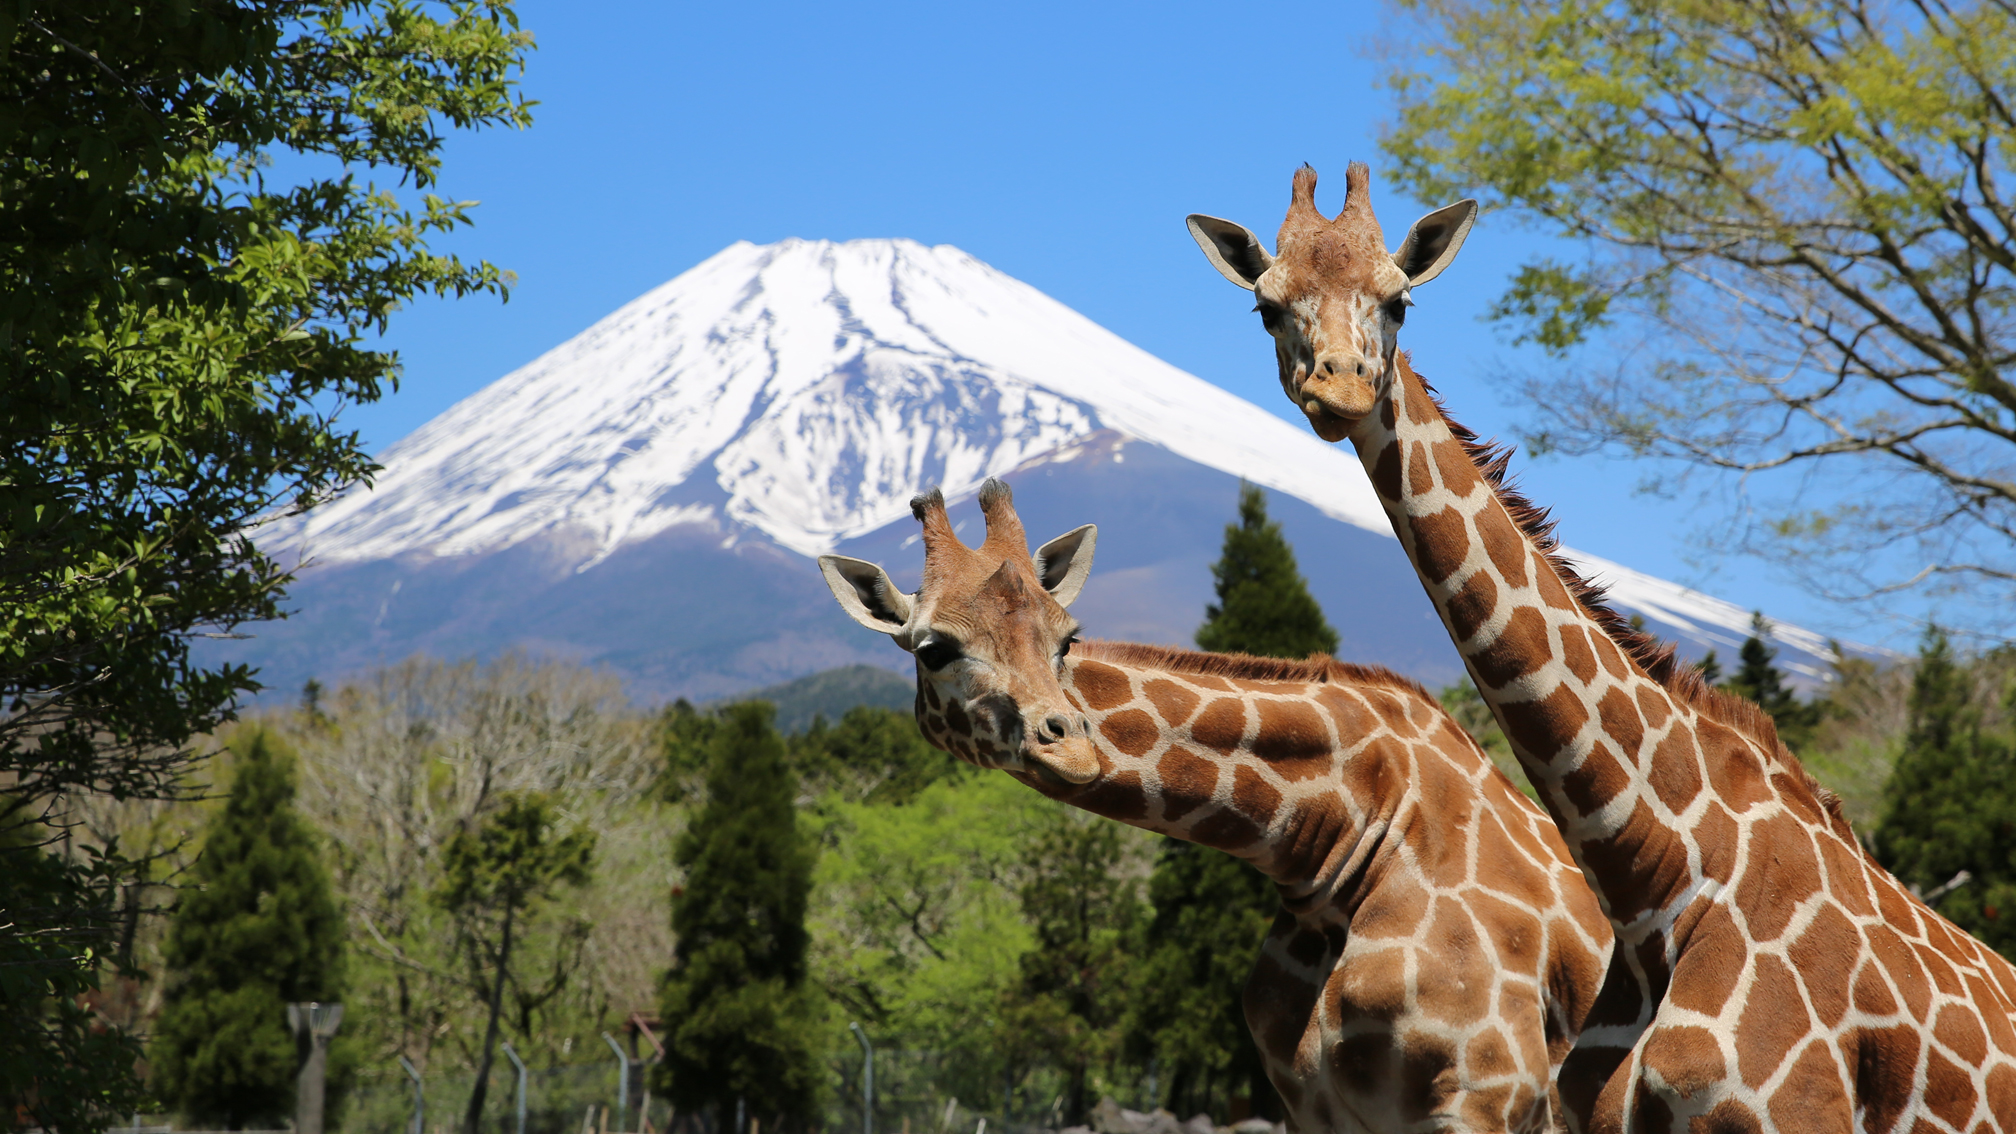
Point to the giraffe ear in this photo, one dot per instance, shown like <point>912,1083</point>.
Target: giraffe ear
<point>1234,251</point>
<point>866,593</point>
<point>1064,562</point>
<point>1433,242</point>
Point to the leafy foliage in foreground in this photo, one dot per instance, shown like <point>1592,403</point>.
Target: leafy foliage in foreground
<point>1797,231</point>
<point>175,335</point>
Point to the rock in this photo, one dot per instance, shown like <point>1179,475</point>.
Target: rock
<point>1200,1123</point>
<point>1109,1117</point>
<point>1253,1126</point>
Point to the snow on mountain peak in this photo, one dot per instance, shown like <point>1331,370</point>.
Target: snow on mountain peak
<point>806,390</point>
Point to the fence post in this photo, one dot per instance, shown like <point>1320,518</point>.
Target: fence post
<point>419,1097</point>
<point>313,1024</point>
<point>520,1065</point>
<point>622,1080</point>
<point>867,1080</point>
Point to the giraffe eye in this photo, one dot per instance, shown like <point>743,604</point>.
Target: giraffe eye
<point>1066,647</point>
<point>938,653</point>
<point>1396,308</point>
<point>1270,316</point>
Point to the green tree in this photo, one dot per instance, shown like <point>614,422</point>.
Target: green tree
<point>917,926</point>
<point>873,755</point>
<point>1795,233</point>
<point>1264,606</point>
<point>1758,678</point>
<point>256,929</point>
<point>1068,1007</point>
<point>59,1068</point>
<point>1710,668</point>
<point>1211,912</point>
<point>1950,807</point>
<point>495,875</point>
<point>177,335</point>
<point>738,1007</point>
<point>1467,708</point>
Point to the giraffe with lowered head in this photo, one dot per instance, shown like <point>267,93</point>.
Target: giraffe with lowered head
<point>1436,952</point>
<point>1783,980</point>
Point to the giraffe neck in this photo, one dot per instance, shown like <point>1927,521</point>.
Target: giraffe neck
<point>1582,716</point>
<point>1299,775</point>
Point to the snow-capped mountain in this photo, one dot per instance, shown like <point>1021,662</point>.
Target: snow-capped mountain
<point>648,494</point>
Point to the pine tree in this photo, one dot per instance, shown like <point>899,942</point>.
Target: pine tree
<point>1264,607</point>
<point>1710,668</point>
<point>256,929</point>
<point>1950,803</point>
<point>738,1007</point>
<point>1212,910</point>
<point>1758,677</point>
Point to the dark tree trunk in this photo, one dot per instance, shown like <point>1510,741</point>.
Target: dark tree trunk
<point>472,1121</point>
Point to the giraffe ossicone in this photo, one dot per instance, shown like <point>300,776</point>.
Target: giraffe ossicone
<point>1437,951</point>
<point>1769,976</point>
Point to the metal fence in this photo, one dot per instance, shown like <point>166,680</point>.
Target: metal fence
<point>558,1100</point>
<point>912,1096</point>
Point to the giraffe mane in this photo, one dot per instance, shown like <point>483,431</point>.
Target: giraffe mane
<point>1658,659</point>
<point>1320,668</point>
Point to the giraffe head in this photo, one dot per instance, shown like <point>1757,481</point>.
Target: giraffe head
<point>1331,295</point>
<point>989,631</point>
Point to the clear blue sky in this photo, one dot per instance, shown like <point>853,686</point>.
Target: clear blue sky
<point>1062,143</point>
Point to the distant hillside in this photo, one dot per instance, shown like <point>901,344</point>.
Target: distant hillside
<point>830,693</point>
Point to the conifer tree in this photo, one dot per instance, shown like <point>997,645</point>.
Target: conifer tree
<point>256,929</point>
<point>1264,606</point>
<point>1211,910</point>
<point>1950,803</point>
<point>739,1010</point>
<point>1710,668</point>
<point>1758,677</point>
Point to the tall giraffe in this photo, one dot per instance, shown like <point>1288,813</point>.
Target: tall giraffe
<point>1786,981</point>
<point>1436,952</point>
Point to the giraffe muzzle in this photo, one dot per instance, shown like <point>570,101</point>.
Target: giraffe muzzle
<point>1072,760</point>
<point>1336,398</point>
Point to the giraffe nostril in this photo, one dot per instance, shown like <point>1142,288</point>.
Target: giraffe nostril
<point>1359,368</point>
<point>1085,726</point>
<point>1055,727</point>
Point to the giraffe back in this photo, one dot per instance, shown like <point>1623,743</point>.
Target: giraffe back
<point>1437,950</point>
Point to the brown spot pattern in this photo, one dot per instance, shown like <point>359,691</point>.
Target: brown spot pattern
<point>1131,731</point>
<point>1173,703</point>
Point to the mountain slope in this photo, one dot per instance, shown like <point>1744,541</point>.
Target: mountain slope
<point>646,494</point>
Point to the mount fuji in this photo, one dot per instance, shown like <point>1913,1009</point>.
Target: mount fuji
<point>648,495</point>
